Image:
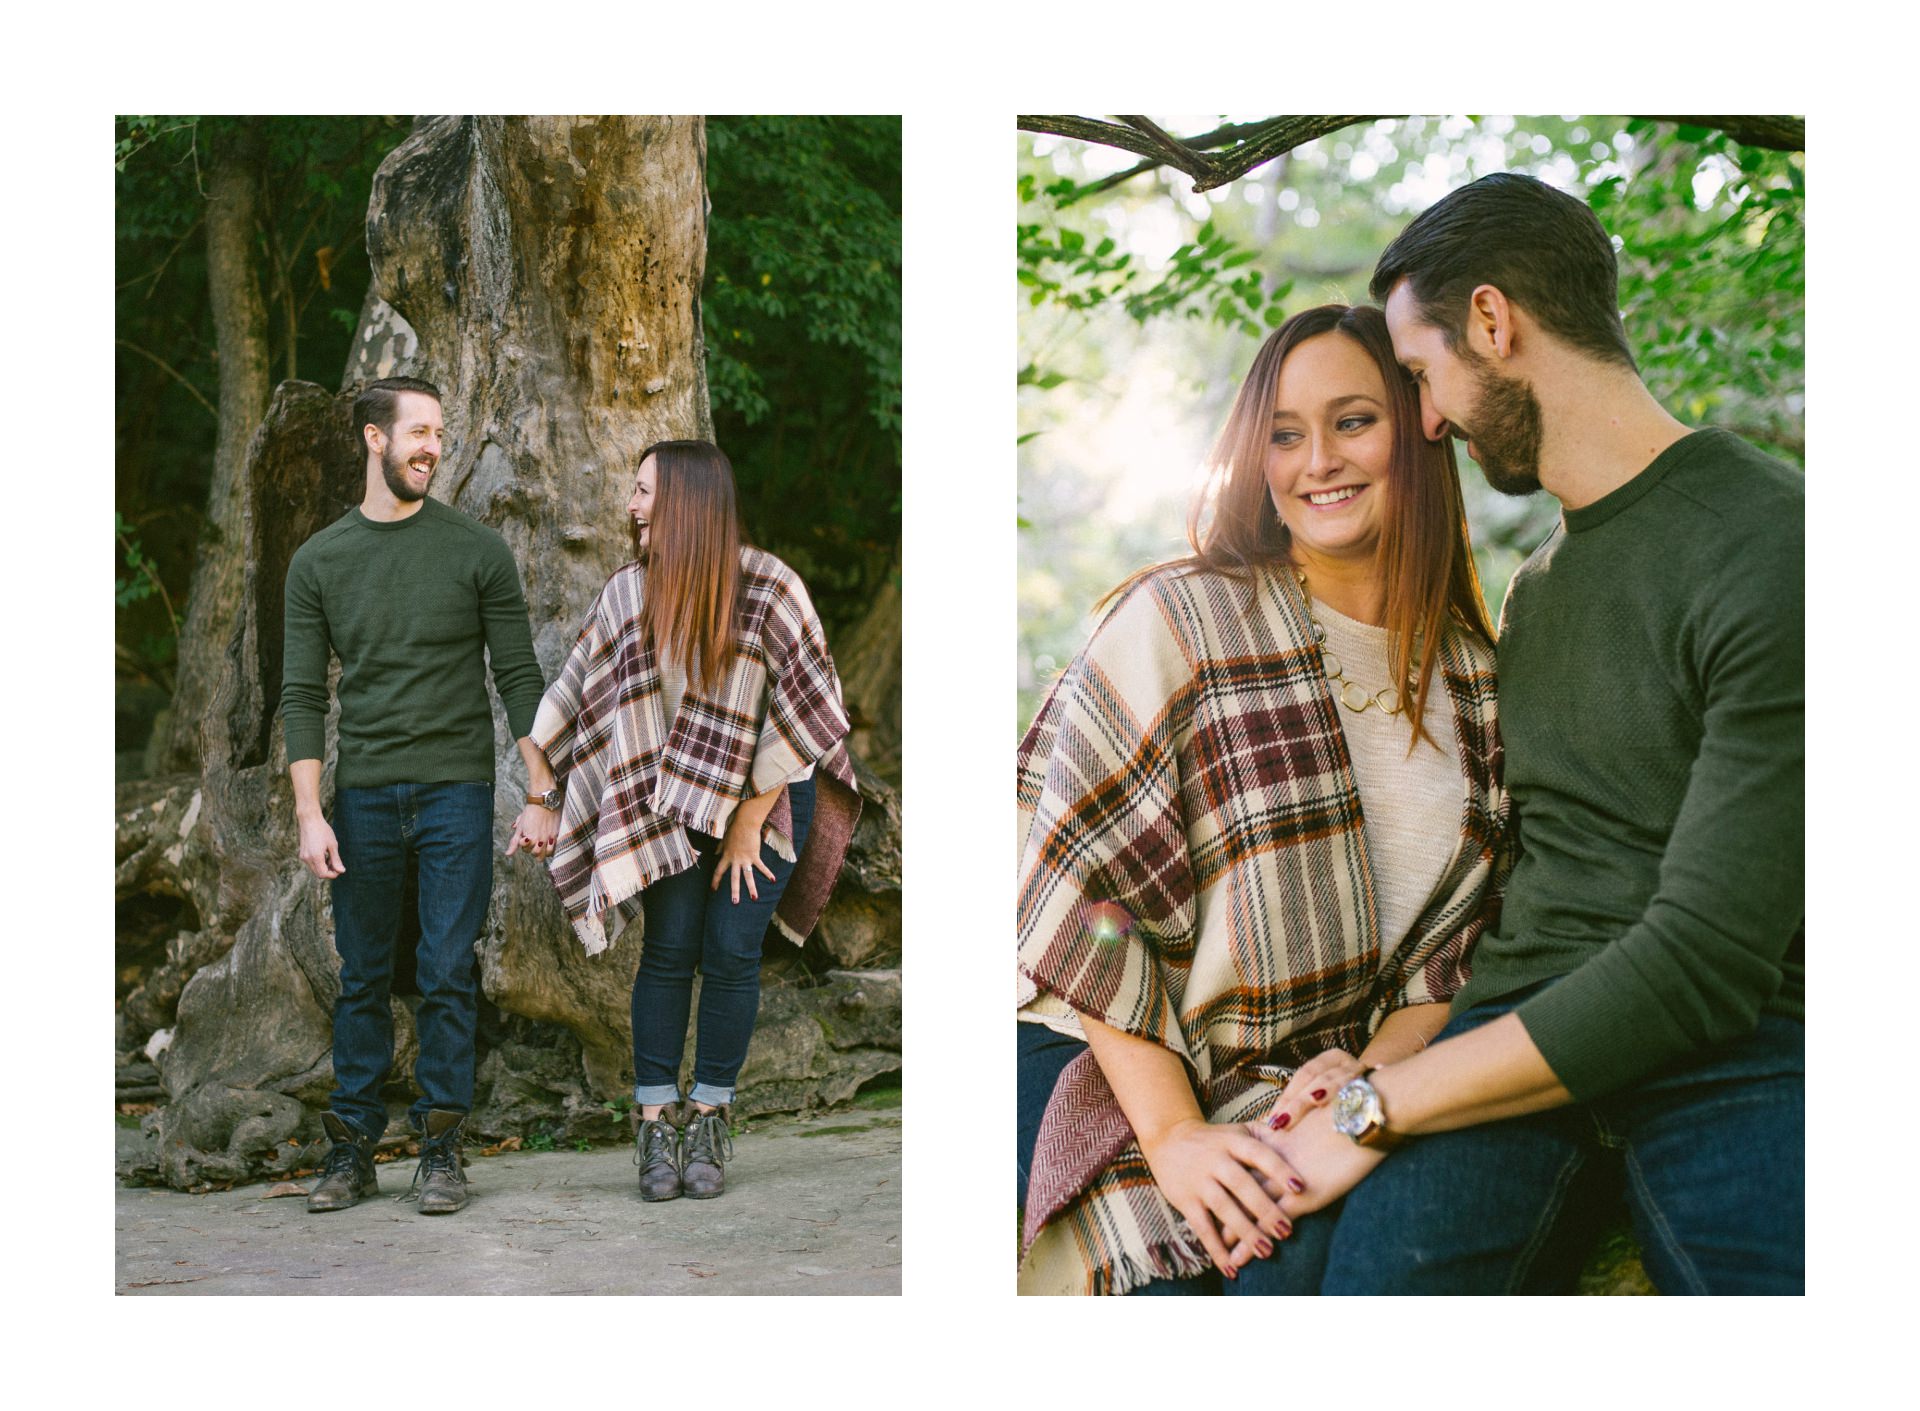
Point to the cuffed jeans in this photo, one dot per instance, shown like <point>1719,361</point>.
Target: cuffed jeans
<point>1710,1152</point>
<point>1297,1262</point>
<point>448,830</point>
<point>690,926</point>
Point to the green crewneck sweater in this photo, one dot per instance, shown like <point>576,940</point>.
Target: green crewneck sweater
<point>409,607</point>
<point>1652,704</point>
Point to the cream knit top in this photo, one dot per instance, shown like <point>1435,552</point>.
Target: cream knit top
<point>1412,806</point>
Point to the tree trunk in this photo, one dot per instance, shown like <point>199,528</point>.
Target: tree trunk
<point>545,274</point>
<point>236,164</point>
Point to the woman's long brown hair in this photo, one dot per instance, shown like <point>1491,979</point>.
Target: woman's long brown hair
<point>1425,556</point>
<point>693,558</point>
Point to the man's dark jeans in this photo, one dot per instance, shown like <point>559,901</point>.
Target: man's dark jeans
<point>691,926</point>
<point>1711,1153</point>
<point>448,830</point>
<point>1297,1262</point>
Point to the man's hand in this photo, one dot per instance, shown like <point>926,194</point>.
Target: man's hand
<point>1329,1162</point>
<point>319,849</point>
<point>535,830</point>
<point>1223,1182</point>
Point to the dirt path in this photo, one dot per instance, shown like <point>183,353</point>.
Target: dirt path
<point>812,1206</point>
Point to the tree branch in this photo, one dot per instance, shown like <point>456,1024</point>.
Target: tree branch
<point>1253,144</point>
<point>168,369</point>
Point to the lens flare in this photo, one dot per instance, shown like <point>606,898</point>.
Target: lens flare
<point>1109,923</point>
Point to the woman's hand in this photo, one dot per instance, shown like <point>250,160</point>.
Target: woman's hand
<point>1331,1164</point>
<point>535,830</point>
<point>1312,1084</point>
<point>740,855</point>
<point>1223,1180</point>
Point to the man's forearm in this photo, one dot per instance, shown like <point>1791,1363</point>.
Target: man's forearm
<point>539,772</point>
<point>1483,1075</point>
<point>306,788</point>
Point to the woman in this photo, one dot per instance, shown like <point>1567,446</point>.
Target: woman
<point>1262,824</point>
<point>699,738</point>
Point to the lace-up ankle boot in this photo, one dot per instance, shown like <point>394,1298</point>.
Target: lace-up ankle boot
<point>656,1151</point>
<point>708,1142</point>
<point>347,1175</point>
<point>441,1175</point>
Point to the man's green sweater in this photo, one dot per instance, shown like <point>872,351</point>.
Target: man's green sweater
<point>1652,704</point>
<point>408,607</point>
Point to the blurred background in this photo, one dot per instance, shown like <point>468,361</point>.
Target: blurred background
<point>1142,303</point>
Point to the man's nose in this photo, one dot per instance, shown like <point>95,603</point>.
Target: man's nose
<point>1431,422</point>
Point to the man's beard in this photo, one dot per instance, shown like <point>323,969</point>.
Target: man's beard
<point>394,471</point>
<point>1506,431</point>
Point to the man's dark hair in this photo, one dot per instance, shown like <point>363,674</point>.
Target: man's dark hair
<point>1540,247</point>
<point>379,402</point>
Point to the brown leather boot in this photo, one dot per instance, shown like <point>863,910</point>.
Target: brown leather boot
<point>347,1177</point>
<point>656,1151</point>
<point>705,1146</point>
<point>444,1189</point>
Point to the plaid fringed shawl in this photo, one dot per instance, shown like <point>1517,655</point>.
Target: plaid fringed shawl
<point>633,790</point>
<point>1193,871</point>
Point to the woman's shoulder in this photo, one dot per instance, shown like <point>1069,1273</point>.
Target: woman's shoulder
<point>759,566</point>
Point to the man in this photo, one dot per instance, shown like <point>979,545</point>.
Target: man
<point>1638,1008</point>
<point>408,594</point>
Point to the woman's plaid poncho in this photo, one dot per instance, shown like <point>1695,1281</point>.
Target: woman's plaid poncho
<point>633,789</point>
<point>1193,871</point>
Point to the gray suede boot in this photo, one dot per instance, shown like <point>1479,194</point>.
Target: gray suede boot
<point>656,1151</point>
<point>706,1145</point>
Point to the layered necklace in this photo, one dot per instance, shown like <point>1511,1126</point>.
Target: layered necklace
<point>1352,694</point>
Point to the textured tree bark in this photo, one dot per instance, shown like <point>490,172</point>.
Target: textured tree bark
<point>545,274</point>
<point>236,160</point>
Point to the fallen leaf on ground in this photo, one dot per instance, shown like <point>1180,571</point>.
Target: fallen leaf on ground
<point>281,1188</point>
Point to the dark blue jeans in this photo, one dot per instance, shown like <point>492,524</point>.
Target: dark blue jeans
<point>689,927</point>
<point>1711,1154</point>
<point>447,829</point>
<point>1297,1262</point>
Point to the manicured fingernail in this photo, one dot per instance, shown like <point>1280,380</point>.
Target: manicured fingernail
<point>1283,1227</point>
<point>1296,1183</point>
<point>1319,1093</point>
<point>1282,1119</point>
<point>1286,1231</point>
<point>1266,1249</point>
<point>1232,1272</point>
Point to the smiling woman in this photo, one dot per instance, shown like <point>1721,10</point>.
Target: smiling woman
<point>1203,911</point>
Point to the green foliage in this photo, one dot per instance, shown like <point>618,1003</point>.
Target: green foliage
<point>802,319</point>
<point>1142,304</point>
<point>1059,263</point>
<point>540,1141</point>
<point>316,176</point>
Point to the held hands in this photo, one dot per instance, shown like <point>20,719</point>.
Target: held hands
<point>535,830</point>
<point>1329,1165</point>
<point>1313,1084</point>
<point>319,849</point>
<point>1223,1180</point>
<point>740,855</point>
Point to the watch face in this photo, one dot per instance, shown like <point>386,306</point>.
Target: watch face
<point>1354,1108</point>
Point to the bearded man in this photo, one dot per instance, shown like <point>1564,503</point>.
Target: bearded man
<point>1634,1022</point>
<point>416,600</point>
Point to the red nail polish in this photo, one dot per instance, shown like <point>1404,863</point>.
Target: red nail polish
<point>1282,1119</point>
<point>1265,1249</point>
<point>1296,1183</point>
<point>1319,1093</point>
<point>1286,1232</point>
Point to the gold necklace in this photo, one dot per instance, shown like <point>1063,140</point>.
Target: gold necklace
<point>1352,694</point>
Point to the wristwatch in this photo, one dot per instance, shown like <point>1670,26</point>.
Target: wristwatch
<point>1358,1114</point>
<point>549,800</point>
